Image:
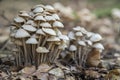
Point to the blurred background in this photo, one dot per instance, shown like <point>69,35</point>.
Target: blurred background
<point>101,16</point>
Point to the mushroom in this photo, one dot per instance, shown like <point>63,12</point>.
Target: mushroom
<point>98,46</point>
<point>33,43</point>
<point>73,50</point>
<point>41,34</point>
<point>56,16</point>
<point>22,34</point>
<point>49,32</point>
<point>39,19</point>
<point>81,52</point>
<point>42,55</point>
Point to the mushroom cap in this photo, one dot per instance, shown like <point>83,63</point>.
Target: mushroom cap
<point>95,37</point>
<point>98,46</point>
<point>83,30</point>
<point>38,10</point>
<point>19,19</point>
<point>81,43</point>
<point>53,39</point>
<point>63,37</point>
<point>45,24</point>
<point>89,34</point>
<point>71,35</point>
<point>49,18</point>
<point>77,28</point>
<point>49,8</point>
<point>39,18</point>
<point>42,50</point>
<point>40,31</point>
<point>21,33</point>
<point>89,42</point>
<point>58,24</point>
<point>24,14</point>
<point>79,34</point>
<point>49,31</point>
<point>31,40</point>
<point>31,22</point>
<point>72,48</point>
<point>56,16</point>
<point>29,28</point>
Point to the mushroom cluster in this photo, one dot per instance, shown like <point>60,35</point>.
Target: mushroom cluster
<point>82,43</point>
<point>37,36</point>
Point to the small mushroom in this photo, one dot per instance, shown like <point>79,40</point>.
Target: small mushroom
<point>42,55</point>
<point>49,32</point>
<point>22,34</point>
<point>33,42</point>
<point>41,36</point>
<point>73,50</point>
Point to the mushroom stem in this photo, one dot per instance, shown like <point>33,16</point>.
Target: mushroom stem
<point>19,56</point>
<point>50,46</point>
<point>42,57</point>
<point>79,55</point>
<point>44,40</point>
<point>51,53</point>
<point>39,42</point>
<point>58,53</point>
<point>54,55</point>
<point>25,51</point>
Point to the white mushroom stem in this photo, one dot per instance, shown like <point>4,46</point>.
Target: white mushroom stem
<point>50,45</point>
<point>54,55</point>
<point>19,56</point>
<point>83,56</point>
<point>42,57</point>
<point>51,52</point>
<point>58,53</point>
<point>46,37</point>
<point>25,51</point>
<point>79,55</point>
<point>39,42</point>
<point>33,52</point>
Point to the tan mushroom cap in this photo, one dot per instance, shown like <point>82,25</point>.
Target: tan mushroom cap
<point>72,48</point>
<point>38,10</point>
<point>77,28</point>
<point>81,43</point>
<point>40,31</point>
<point>63,37</point>
<point>53,39</point>
<point>56,16</point>
<point>45,25</point>
<point>58,32</point>
<point>31,22</point>
<point>21,33</point>
<point>49,8</point>
<point>49,18</point>
<point>98,46</point>
<point>19,19</point>
<point>58,24</point>
<point>31,40</point>
<point>71,35</point>
<point>39,18</point>
<point>49,31</point>
<point>95,37</point>
<point>42,50</point>
<point>29,28</point>
<point>89,42</point>
<point>78,34</point>
<point>24,14</point>
<point>62,46</point>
